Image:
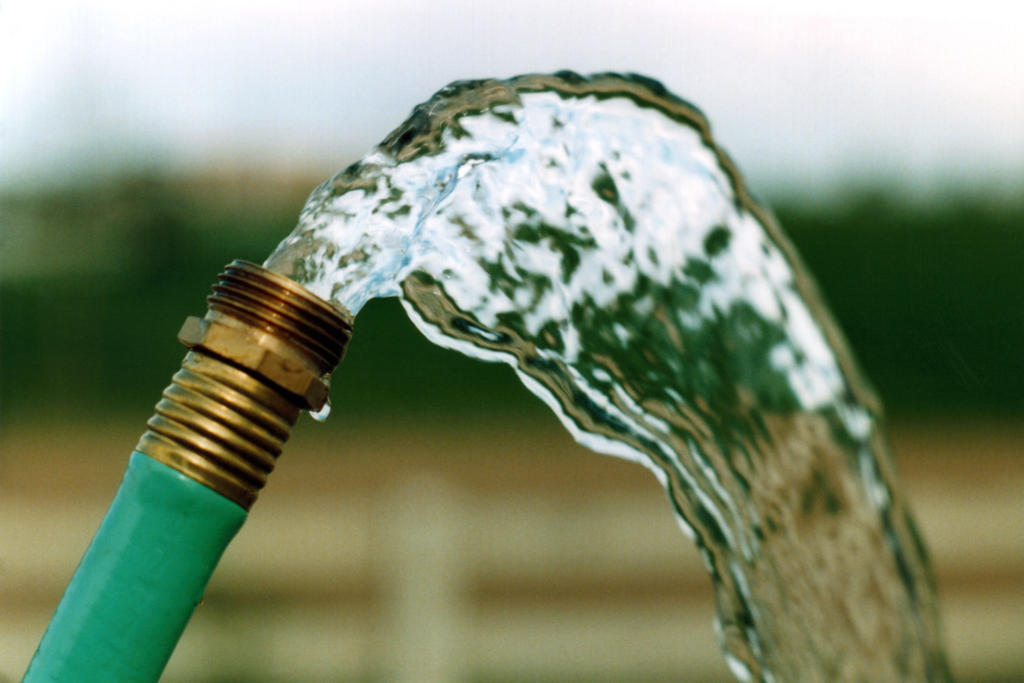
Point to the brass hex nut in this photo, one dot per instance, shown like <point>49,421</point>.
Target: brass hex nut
<point>259,351</point>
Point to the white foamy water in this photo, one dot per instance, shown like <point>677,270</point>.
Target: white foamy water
<point>590,233</point>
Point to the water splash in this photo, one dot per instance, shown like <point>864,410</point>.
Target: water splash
<point>589,232</point>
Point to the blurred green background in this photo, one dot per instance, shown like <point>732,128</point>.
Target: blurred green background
<point>98,278</point>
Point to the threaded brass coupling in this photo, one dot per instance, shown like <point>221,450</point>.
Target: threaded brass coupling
<point>263,353</point>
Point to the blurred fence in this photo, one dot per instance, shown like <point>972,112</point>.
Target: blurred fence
<point>484,552</point>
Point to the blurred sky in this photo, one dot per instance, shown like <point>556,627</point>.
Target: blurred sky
<point>802,94</point>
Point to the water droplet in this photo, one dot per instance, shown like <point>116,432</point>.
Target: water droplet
<point>321,415</point>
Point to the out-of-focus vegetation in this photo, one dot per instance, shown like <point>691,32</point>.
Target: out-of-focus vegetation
<point>931,297</point>
<point>96,281</point>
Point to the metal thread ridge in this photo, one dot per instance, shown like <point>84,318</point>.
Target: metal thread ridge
<point>278,305</point>
<point>223,422</point>
<point>220,426</point>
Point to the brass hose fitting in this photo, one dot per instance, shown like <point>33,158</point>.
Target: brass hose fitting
<point>263,353</point>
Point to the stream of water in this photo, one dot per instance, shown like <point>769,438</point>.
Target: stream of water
<point>589,232</point>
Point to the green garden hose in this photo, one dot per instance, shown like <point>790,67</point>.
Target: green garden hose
<point>263,353</point>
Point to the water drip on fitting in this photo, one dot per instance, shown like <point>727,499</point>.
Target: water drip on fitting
<point>263,353</point>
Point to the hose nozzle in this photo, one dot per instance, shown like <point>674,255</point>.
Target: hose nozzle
<point>264,352</point>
